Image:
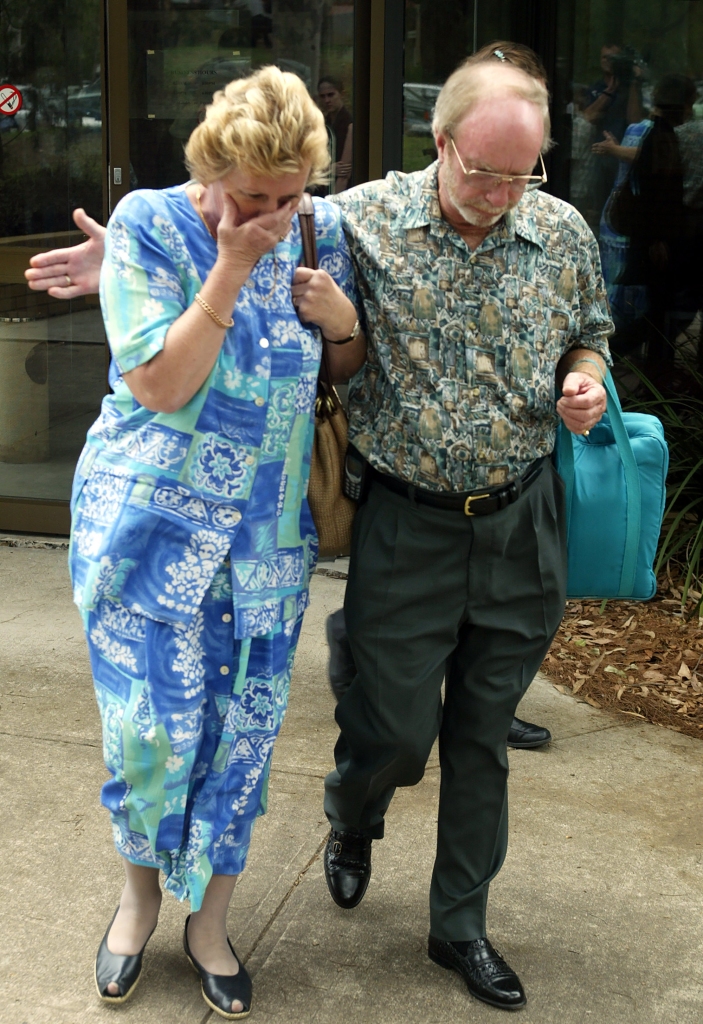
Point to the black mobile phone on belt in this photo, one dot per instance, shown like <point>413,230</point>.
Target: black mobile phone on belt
<point>355,475</point>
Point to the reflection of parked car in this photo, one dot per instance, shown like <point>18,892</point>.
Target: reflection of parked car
<point>418,106</point>
<point>294,66</point>
<point>85,104</point>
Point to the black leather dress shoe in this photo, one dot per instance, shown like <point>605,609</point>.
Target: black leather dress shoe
<point>525,736</point>
<point>221,990</point>
<point>347,867</point>
<point>483,969</point>
<point>124,971</point>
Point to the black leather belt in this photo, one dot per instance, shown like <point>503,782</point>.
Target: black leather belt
<point>482,502</point>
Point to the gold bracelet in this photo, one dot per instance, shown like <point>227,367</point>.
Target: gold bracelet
<point>211,312</point>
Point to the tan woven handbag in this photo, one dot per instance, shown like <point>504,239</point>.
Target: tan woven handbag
<point>332,511</point>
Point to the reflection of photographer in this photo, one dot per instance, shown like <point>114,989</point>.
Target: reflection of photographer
<point>613,103</point>
<point>616,100</point>
<point>660,254</point>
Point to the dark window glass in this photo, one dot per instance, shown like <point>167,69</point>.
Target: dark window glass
<point>635,112</point>
<point>52,355</point>
<point>180,53</point>
<point>439,34</point>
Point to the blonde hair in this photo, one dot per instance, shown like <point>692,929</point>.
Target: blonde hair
<point>481,80</point>
<point>266,124</point>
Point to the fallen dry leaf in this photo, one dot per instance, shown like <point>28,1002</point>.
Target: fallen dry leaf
<point>652,676</point>
<point>684,671</point>
<point>596,664</point>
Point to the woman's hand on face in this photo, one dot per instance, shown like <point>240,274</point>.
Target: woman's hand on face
<point>243,245</point>
<point>319,300</point>
<point>68,273</point>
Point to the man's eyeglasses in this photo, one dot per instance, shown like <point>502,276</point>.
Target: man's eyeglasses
<point>486,181</point>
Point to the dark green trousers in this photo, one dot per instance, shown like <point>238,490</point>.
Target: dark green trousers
<point>435,594</point>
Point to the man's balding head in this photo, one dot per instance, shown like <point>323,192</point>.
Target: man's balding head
<point>480,85</point>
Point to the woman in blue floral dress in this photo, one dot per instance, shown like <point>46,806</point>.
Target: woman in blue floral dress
<point>192,542</point>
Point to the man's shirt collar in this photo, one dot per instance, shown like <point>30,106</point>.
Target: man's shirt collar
<point>423,210</point>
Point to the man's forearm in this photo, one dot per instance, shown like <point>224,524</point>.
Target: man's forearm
<point>588,361</point>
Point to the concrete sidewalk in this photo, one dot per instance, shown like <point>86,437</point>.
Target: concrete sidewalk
<point>598,907</point>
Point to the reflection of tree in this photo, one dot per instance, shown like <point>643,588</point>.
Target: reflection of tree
<point>445,36</point>
<point>49,42</point>
<point>297,32</point>
<point>668,33</point>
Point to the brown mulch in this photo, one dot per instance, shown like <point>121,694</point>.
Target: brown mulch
<point>641,659</point>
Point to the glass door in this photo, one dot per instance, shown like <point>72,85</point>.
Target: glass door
<point>178,54</point>
<point>439,34</point>
<point>52,353</point>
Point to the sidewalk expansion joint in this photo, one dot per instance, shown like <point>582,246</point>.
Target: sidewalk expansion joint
<point>590,732</point>
<point>49,739</point>
<point>36,542</point>
<point>264,931</point>
<point>332,573</point>
<point>299,772</point>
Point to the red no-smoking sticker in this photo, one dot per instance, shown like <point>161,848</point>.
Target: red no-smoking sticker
<point>10,100</point>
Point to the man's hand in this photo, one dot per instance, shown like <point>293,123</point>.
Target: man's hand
<point>583,402</point>
<point>319,300</point>
<point>68,273</point>
<point>607,146</point>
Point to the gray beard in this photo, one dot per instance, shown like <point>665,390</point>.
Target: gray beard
<point>474,217</point>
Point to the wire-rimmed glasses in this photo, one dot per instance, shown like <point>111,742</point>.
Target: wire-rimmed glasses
<point>486,181</point>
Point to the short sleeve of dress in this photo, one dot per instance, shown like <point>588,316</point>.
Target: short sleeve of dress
<point>147,278</point>
<point>333,250</point>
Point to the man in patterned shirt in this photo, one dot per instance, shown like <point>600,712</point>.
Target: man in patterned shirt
<point>481,297</point>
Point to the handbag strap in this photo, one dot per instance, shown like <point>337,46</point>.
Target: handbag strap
<point>306,218</point>
<point>632,484</point>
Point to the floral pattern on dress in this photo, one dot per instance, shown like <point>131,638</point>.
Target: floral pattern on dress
<point>103,495</point>
<point>188,776</point>
<point>118,653</point>
<point>222,469</point>
<point>191,576</point>
<point>190,662</point>
<point>155,445</point>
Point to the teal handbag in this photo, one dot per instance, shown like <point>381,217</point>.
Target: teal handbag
<point>615,496</point>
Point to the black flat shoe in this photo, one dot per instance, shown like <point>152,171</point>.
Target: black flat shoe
<point>125,971</point>
<point>525,736</point>
<point>484,970</point>
<point>220,990</point>
<point>347,867</point>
